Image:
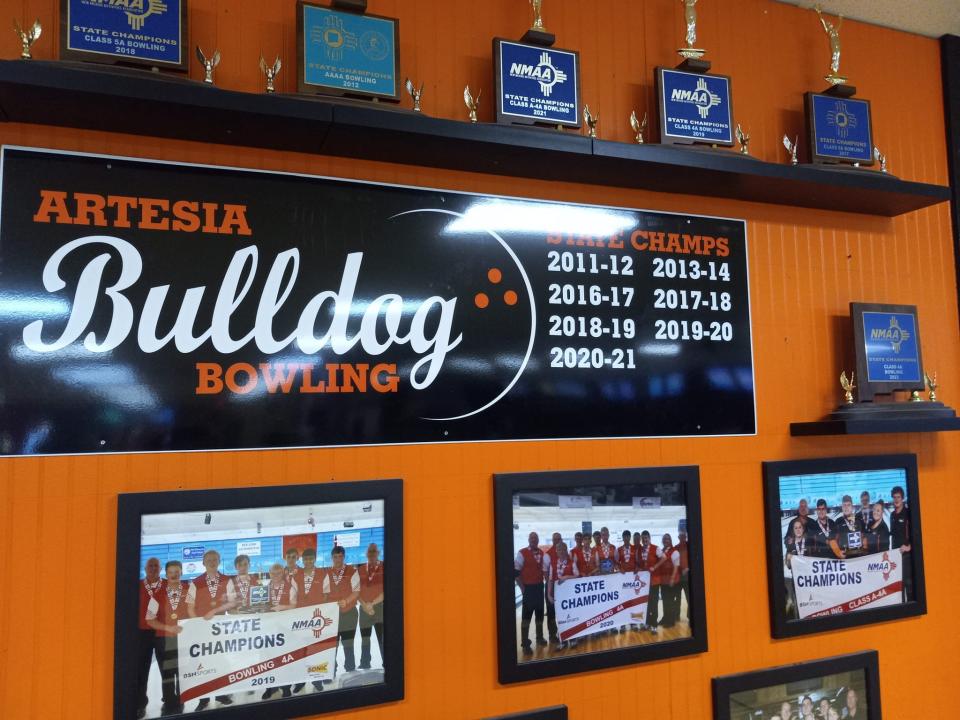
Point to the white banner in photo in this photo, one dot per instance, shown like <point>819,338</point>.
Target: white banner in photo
<point>233,653</point>
<point>577,502</point>
<point>346,540</point>
<point>248,547</point>
<point>588,605</point>
<point>827,586</point>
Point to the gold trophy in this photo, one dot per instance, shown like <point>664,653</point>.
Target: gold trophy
<point>833,34</point>
<point>847,386</point>
<point>27,38</point>
<point>690,52</point>
<point>537,6</point>
<point>591,120</point>
<point>743,139</point>
<point>415,93</point>
<point>270,72</point>
<point>791,148</point>
<point>639,128</point>
<point>932,384</point>
<point>472,102</point>
<point>880,158</point>
<point>209,65</point>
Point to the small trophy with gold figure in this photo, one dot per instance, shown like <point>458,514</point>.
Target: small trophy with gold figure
<point>848,386</point>
<point>27,37</point>
<point>932,384</point>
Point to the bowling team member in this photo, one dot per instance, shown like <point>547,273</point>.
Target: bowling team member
<point>606,553</point>
<point>342,583</point>
<point>798,544</point>
<point>371,604</point>
<point>209,599</point>
<point>282,595</point>
<point>865,514</point>
<point>824,534</point>
<point>308,581</point>
<point>585,557</point>
<point>150,588</point>
<point>848,530</point>
<point>852,706</point>
<point>238,590</point>
<point>900,537</point>
<point>877,536</point>
<point>803,515</point>
<point>291,556</point>
<point>528,574</point>
<point>786,711</point>
<point>164,613</point>
<point>669,571</point>
<point>562,567</point>
<point>548,558</point>
<point>647,559</point>
<point>627,561</point>
<point>684,551</point>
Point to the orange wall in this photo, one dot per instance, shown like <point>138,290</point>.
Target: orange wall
<point>805,266</point>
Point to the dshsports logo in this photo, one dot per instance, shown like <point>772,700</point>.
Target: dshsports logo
<point>893,334</point>
<point>842,119</point>
<point>544,72</point>
<point>201,671</point>
<point>137,11</point>
<point>885,565</point>
<point>699,96</point>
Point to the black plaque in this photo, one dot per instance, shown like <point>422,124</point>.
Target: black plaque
<point>392,314</point>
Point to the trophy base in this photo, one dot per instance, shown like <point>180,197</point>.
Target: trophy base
<point>357,6</point>
<point>925,410</point>
<point>535,36</point>
<point>839,89</point>
<point>695,65</point>
<point>691,53</point>
<point>853,169</point>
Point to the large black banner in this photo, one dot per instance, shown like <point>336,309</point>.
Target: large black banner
<point>160,306</point>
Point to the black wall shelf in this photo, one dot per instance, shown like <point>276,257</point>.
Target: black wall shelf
<point>143,103</point>
<point>872,427</point>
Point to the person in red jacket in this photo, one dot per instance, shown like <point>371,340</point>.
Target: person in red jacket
<point>668,570</point>
<point>309,582</point>
<point>627,562</point>
<point>585,557</point>
<point>561,568</point>
<point>647,559</point>
<point>210,599</point>
<point>343,582</point>
<point>150,588</point>
<point>371,604</point>
<point>528,574</point>
<point>238,590</point>
<point>684,551</point>
<point>164,613</point>
<point>282,594</point>
<point>548,558</point>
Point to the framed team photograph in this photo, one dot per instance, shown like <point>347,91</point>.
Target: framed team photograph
<point>845,687</point>
<point>264,602</point>
<point>597,569</point>
<point>844,544</point>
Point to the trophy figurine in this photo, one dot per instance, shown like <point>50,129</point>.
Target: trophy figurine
<point>744,140</point>
<point>880,158</point>
<point>791,148</point>
<point>833,33</point>
<point>591,120</point>
<point>209,65</point>
<point>847,386</point>
<point>690,52</point>
<point>932,384</point>
<point>28,37</point>
<point>537,15</point>
<point>639,128</point>
<point>472,102</point>
<point>415,93</point>
<point>270,72</point>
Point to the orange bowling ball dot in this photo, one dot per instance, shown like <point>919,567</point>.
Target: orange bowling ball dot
<point>494,275</point>
<point>481,300</point>
<point>510,297</point>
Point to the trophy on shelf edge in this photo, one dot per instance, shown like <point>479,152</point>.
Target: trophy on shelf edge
<point>839,126</point>
<point>695,106</point>
<point>535,83</point>
<point>152,33</point>
<point>342,50</point>
<point>886,340</point>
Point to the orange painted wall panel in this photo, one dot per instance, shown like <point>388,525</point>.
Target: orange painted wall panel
<point>57,515</point>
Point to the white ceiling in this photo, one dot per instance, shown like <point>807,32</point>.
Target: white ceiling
<point>925,17</point>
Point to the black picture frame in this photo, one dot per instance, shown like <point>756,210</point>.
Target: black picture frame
<point>772,472</point>
<point>867,390</point>
<point>67,53</point>
<point>506,485</point>
<point>726,686</point>
<point>503,118</point>
<point>131,507</point>
<point>557,712</point>
<point>662,110</point>
<point>349,8</point>
<point>811,128</point>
